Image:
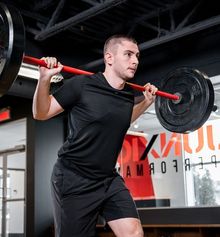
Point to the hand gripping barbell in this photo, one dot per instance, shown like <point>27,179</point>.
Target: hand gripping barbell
<point>184,107</point>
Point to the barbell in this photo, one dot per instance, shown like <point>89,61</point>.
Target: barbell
<point>184,107</point>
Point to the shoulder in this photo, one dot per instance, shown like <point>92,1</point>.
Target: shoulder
<point>75,79</point>
<point>81,79</point>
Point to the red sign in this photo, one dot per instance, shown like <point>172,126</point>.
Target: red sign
<point>5,115</point>
<point>132,168</point>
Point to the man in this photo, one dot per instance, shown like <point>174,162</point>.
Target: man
<point>100,109</point>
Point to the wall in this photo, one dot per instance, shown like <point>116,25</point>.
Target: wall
<point>49,136</point>
<point>43,142</point>
<point>200,50</point>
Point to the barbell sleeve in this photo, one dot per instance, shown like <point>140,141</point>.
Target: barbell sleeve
<point>72,70</point>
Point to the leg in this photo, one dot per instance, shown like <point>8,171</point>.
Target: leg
<point>126,227</point>
<point>120,211</point>
<point>76,201</point>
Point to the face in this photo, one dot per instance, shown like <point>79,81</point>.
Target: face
<point>123,59</point>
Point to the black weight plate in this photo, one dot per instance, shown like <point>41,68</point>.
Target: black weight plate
<point>12,40</point>
<point>195,106</point>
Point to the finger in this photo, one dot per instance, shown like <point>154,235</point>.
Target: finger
<point>154,90</point>
<point>50,62</point>
<point>60,66</point>
<point>151,88</point>
<point>147,87</point>
<point>47,60</point>
<point>53,62</point>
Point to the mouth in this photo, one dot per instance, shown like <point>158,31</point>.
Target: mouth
<point>132,69</point>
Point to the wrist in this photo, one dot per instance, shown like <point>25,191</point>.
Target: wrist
<point>45,79</point>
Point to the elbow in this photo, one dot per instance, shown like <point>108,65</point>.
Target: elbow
<point>39,117</point>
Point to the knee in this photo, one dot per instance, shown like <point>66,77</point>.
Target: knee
<point>127,227</point>
<point>137,232</point>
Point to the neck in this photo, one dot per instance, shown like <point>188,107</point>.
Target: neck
<point>113,80</point>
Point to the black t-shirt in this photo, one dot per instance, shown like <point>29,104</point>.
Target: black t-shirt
<point>98,119</point>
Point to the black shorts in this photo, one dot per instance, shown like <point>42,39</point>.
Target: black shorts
<point>79,201</point>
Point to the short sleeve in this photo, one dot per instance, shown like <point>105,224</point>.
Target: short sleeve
<point>69,93</point>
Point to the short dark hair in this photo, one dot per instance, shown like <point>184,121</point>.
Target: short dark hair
<point>118,38</point>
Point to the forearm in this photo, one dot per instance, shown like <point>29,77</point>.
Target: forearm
<point>41,100</point>
<point>139,109</point>
<point>150,95</point>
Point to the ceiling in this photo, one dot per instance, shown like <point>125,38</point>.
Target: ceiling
<point>87,23</point>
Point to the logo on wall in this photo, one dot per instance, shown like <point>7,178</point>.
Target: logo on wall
<point>144,158</point>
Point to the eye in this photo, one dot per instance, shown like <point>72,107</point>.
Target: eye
<point>128,54</point>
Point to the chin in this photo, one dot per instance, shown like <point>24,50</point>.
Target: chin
<point>129,77</point>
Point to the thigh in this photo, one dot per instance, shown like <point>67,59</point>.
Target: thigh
<point>119,202</point>
<point>76,203</point>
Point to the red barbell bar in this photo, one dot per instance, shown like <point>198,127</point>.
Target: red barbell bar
<point>72,70</point>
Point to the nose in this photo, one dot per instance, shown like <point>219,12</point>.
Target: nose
<point>135,60</point>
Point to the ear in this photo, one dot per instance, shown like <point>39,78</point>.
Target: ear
<point>108,58</point>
